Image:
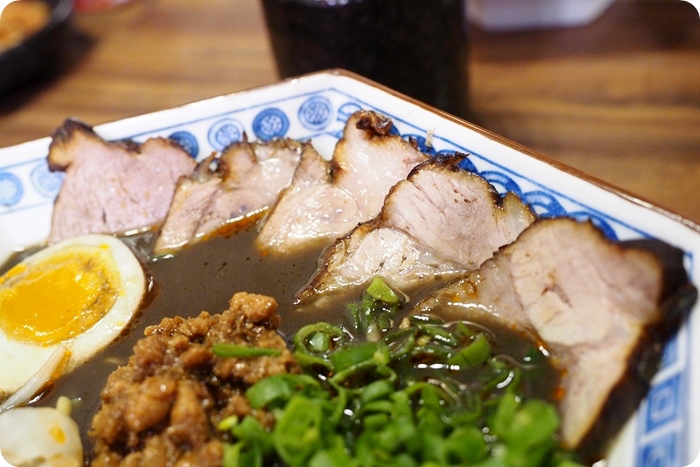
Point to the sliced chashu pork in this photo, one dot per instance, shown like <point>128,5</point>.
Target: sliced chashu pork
<point>311,210</point>
<point>112,187</point>
<point>600,309</point>
<point>245,178</point>
<point>327,199</point>
<point>438,223</point>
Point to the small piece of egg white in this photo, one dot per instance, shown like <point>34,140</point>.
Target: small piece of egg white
<point>39,436</point>
<point>53,366</point>
<point>79,293</point>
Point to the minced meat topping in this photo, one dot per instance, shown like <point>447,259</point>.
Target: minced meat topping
<point>163,407</point>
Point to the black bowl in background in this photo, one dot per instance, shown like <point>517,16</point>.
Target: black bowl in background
<point>38,56</point>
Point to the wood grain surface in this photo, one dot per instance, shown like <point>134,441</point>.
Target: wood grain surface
<point>618,99</point>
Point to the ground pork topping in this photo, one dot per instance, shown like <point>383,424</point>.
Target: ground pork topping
<point>163,407</point>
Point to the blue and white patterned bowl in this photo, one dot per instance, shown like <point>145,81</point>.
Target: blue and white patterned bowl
<point>666,429</point>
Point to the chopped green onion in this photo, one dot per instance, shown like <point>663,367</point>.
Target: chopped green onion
<point>297,435</point>
<point>376,390</point>
<point>465,445</point>
<point>379,290</point>
<point>422,393</point>
<point>320,342</point>
<point>317,338</point>
<point>439,334</point>
<point>279,388</point>
<point>349,356</point>
<point>474,354</point>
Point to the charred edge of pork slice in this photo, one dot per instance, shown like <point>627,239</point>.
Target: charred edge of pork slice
<point>60,157</point>
<point>374,125</point>
<point>448,162</point>
<point>205,169</point>
<point>671,258</point>
<point>679,296</point>
<point>229,163</point>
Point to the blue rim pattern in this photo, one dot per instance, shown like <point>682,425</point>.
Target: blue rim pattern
<point>270,123</point>
<point>187,141</point>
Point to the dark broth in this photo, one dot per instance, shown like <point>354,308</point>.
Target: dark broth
<point>204,276</point>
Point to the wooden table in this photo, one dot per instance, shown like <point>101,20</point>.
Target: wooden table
<point>619,99</point>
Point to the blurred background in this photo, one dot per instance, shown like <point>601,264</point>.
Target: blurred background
<point>617,97</point>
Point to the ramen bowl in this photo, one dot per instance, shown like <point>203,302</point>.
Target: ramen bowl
<point>666,426</point>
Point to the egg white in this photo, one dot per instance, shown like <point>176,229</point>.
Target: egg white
<point>39,436</point>
<point>19,361</point>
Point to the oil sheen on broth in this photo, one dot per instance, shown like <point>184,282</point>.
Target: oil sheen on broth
<point>203,277</point>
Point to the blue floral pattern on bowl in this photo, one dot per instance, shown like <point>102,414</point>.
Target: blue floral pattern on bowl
<point>11,189</point>
<point>187,140</point>
<point>225,132</point>
<point>270,123</point>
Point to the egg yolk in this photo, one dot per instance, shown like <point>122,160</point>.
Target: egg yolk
<point>58,297</point>
<point>58,434</point>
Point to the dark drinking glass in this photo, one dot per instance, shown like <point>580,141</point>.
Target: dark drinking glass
<point>417,47</point>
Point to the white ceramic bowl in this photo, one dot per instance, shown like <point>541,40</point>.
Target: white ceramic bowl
<point>666,429</point>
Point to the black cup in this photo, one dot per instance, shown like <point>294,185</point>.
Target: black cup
<point>417,47</point>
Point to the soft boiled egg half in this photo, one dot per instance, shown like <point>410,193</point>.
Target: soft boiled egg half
<point>76,296</point>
